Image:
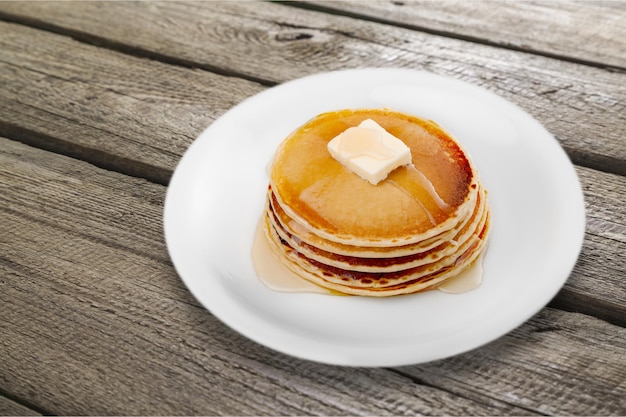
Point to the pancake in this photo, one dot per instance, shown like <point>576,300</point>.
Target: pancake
<point>388,263</point>
<point>424,223</point>
<point>414,203</point>
<point>380,284</point>
<point>293,227</point>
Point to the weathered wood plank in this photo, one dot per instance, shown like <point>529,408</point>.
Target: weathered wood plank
<point>548,358</point>
<point>95,320</point>
<point>137,140</point>
<point>581,105</point>
<point>133,115</point>
<point>584,31</point>
<point>9,407</point>
<point>87,284</point>
<point>135,145</point>
<point>603,250</point>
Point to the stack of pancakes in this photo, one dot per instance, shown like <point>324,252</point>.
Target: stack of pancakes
<point>425,223</point>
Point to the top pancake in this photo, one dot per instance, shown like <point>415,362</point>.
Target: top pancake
<point>413,203</point>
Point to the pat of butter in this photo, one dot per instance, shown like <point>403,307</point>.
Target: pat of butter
<point>369,151</point>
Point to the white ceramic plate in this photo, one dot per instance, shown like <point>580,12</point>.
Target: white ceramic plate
<point>217,193</point>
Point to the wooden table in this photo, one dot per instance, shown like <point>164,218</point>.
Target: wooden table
<point>98,102</point>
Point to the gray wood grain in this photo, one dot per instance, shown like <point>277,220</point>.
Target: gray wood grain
<point>603,250</point>
<point>95,320</point>
<point>581,105</point>
<point>129,114</point>
<point>586,31</point>
<point>87,284</point>
<point>548,358</point>
<point>102,112</point>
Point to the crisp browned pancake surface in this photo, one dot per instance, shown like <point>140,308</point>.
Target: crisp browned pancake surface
<point>421,225</point>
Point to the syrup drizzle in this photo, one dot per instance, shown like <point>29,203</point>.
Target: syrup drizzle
<point>428,186</point>
<point>413,182</point>
<point>273,273</point>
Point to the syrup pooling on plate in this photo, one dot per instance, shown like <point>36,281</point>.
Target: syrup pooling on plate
<point>273,273</point>
<point>396,209</point>
<point>466,281</point>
